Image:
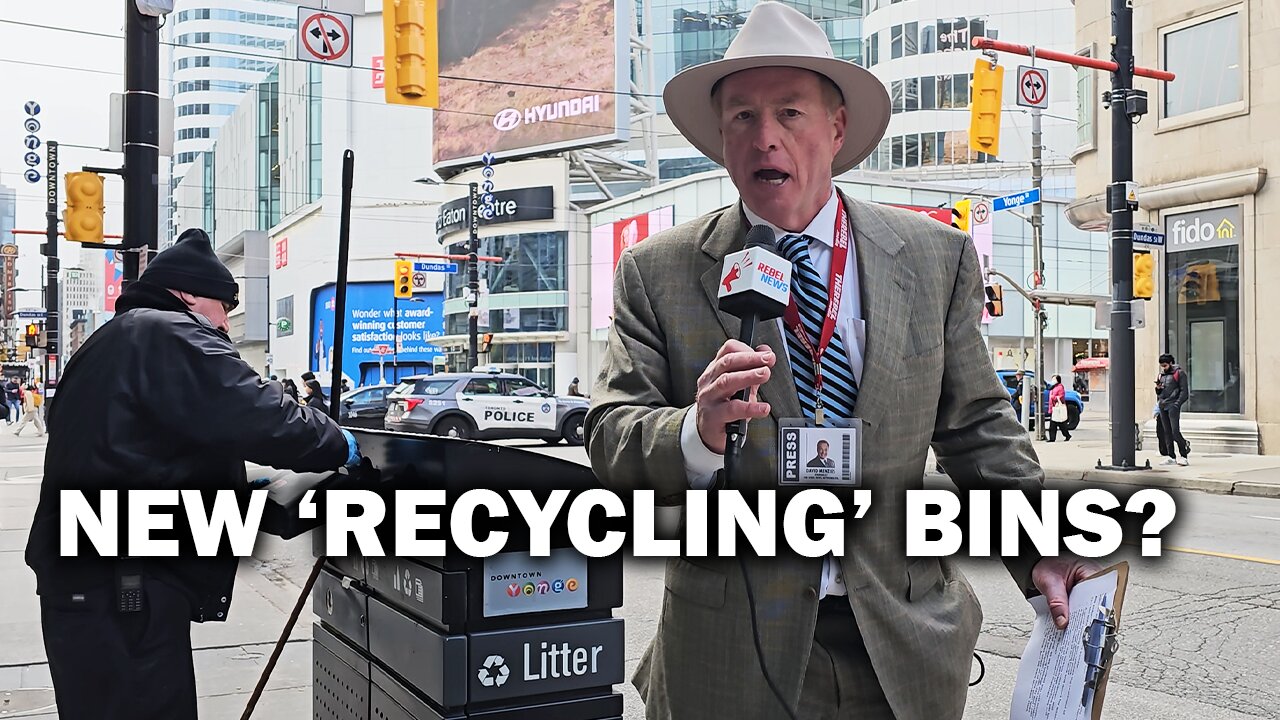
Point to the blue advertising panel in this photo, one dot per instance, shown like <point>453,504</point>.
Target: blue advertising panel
<point>371,333</point>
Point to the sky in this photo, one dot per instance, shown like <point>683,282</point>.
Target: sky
<point>74,107</point>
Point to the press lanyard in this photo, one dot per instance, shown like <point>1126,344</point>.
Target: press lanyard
<point>839,257</point>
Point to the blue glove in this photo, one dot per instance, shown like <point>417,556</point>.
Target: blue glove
<point>353,450</point>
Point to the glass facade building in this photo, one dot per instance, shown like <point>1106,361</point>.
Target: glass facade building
<point>690,32</point>
<point>218,50</point>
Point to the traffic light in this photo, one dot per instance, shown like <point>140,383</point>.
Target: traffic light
<point>1144,275</point>
<point>82,220</point>
<point>33,335</point>
<point>995,300</point>
<point>404,279</point>
<point>486,340</point>
<point>411,56</point>
<point>960,215</point>
<point>984,108</point>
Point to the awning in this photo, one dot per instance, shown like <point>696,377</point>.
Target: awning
<point>1091,363</point>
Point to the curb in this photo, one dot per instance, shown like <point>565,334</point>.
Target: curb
<point>1145,478</point>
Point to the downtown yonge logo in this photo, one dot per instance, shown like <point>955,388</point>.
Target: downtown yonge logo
<point>533,585</point>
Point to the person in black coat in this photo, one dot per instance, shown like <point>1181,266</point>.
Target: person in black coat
<point>158,398</point>
<point>315,397</point>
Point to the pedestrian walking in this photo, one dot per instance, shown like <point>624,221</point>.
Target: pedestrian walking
<point>1173,389</point>
<point>13,399</point>
<point>31,403</point>
<point>1058,414</point>
<point>187,414</point>
<point>574,391</point>
<point>315,396</point>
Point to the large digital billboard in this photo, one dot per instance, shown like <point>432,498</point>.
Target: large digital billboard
<point>372,332</point>
<point>607,244</point>
<point>518,77</point>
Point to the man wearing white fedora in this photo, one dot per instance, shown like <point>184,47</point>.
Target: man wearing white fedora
<point>873,634</point>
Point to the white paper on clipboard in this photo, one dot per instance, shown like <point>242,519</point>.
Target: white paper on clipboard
<point>1051,675</point>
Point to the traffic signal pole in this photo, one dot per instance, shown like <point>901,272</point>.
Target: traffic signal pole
<point>52,320</point>
<point>1127,105</point>
<point>1037,260</point>
<point>141,137</point>
<point>1121,384</point>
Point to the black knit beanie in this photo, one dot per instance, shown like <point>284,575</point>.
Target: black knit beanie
<point>190,265</point>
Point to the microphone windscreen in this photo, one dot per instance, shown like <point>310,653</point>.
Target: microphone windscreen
<point>761,236</point>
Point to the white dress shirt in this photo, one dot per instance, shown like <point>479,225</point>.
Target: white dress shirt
<point>700,463</point>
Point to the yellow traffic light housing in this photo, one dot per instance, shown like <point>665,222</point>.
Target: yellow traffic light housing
<point>411,56</point>
<point>82,220</point>
<point>984,108</point>
<point>960,215</point>
<point>1144,275</point>
<point>403,279</point>
<point>995,300</point>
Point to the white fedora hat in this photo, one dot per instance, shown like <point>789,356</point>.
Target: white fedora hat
<point>776,35</point>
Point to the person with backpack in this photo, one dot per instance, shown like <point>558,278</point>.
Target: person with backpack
<point>1173,389</point>
<point>31,402</point>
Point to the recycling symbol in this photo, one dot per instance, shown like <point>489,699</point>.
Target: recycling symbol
<point>494,671</point>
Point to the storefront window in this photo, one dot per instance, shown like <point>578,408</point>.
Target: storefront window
<point>1202,305</point>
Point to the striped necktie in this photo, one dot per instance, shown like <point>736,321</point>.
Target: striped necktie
<point>839,388</point>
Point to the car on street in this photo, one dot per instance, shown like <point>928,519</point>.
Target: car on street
<point>485,404</point>
<point>365,407</point>
<point>1075,404</point>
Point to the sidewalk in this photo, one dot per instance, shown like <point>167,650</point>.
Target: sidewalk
<point>1248,475</point>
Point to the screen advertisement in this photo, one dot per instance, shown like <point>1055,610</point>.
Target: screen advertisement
<point>371,331</point>
<point>518,77</point>
<point>112,279</point>
<point>607,243</point>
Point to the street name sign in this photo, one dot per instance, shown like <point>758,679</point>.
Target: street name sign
<point>435,267</point>
<point>1008,202</point>
<point>1147,234</point>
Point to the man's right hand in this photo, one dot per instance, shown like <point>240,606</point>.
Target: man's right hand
<point>736,367</point>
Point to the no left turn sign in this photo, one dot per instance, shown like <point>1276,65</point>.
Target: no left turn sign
<point>324,37</point>
<point>1033,87</point>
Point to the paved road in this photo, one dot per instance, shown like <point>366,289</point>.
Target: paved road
<point>1201,635</point>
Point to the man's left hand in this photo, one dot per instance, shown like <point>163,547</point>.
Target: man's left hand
<point>1055,576</point>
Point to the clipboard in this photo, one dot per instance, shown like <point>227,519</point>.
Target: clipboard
<point>1111,630</point>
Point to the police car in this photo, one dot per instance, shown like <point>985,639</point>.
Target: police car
<point>484,405</point>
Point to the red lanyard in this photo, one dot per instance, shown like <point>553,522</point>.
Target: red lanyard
<point>839,257</point>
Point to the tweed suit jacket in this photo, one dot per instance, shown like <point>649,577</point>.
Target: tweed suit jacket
<point>927,380</point>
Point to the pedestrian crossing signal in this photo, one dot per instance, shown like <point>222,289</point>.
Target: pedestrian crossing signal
<point>33,335</point>
<point>1144,275</point>
<point>995,300</point>
<point>403,279</point>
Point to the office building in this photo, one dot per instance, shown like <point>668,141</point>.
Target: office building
<point>1201,158</point>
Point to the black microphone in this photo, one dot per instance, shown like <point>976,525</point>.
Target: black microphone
<point>755,284</point>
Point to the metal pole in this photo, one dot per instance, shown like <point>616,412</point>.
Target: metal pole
<point>395,333</point>
<point>141,136</point>
<point>1121,388</point>
<point>1037,260</point>
<point>473,280</point>
<point>52,319</point>
<point>340,290</point>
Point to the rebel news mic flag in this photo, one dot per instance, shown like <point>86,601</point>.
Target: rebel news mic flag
<point>755,284</point>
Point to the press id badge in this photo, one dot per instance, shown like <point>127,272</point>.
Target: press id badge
<point>828,455</point>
